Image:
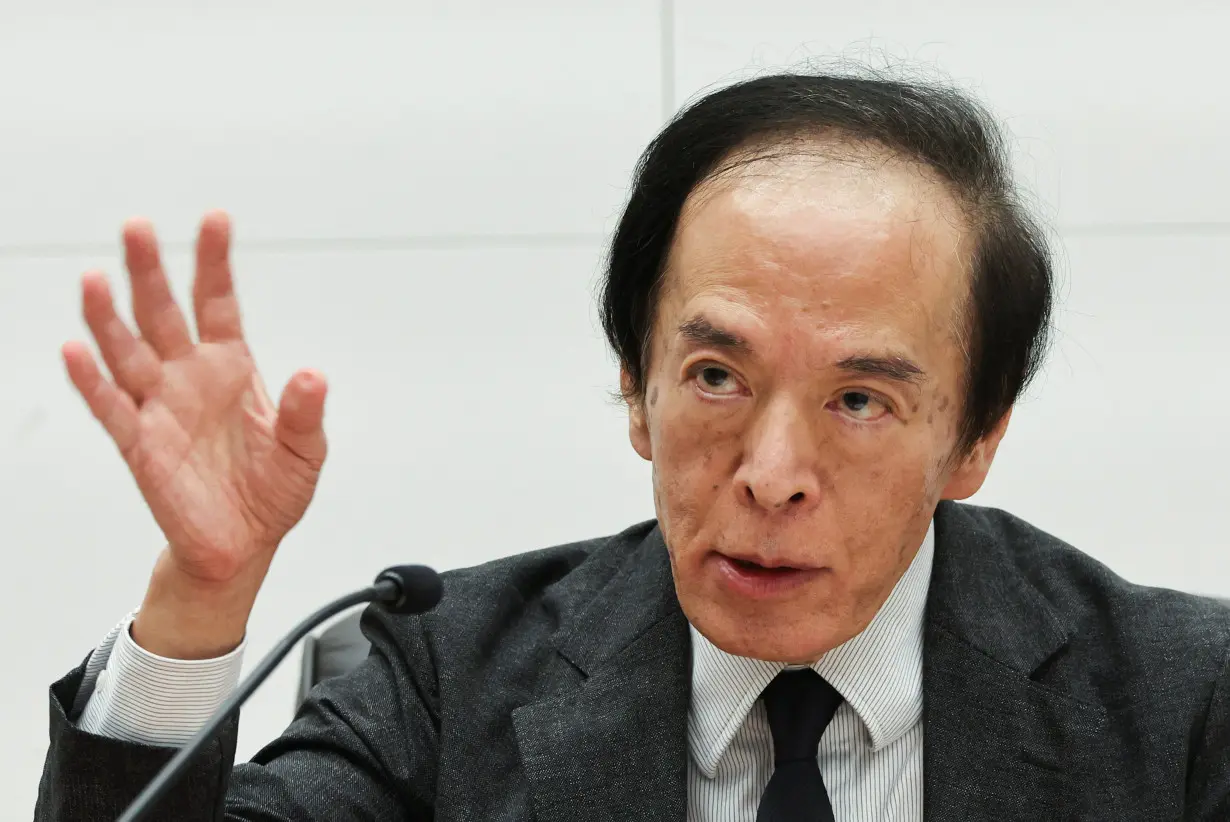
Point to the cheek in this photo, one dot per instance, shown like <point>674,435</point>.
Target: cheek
<point>688,440</point>
<point>692,458</point>
<point>903,487</point>
<point>883,502</point>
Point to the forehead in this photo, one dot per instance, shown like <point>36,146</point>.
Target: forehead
<point>857,243</point>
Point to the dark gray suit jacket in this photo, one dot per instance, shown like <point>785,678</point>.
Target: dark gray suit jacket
<point>555,686</point>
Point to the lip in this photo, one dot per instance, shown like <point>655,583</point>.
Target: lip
<point>768,562</point>
<point>761,582</point>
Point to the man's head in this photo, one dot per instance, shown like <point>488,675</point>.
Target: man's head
<point>825,300</point>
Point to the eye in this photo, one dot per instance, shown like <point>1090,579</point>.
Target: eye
<point>862,406</point>
<point>713,379</point>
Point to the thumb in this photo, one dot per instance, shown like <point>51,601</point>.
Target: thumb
<point>301,413</point>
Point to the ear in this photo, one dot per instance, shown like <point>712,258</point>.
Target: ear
<point>969,476</point>
<point>638,423</point>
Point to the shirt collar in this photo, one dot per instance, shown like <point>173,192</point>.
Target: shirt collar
<point>878,672</point>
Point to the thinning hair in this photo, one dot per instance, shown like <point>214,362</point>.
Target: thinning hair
<point>1006,324</point>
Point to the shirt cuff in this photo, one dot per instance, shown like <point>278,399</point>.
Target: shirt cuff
<point>152,700</point>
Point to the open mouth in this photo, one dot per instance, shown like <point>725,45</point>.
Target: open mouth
<point>748,578</point>
<point>756,567</point>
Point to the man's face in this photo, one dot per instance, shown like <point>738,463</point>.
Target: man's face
<point>803,396</point>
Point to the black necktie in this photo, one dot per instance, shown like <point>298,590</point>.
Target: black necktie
<point>800,705</point>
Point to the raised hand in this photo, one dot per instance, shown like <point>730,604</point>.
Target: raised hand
<point>225,473</point>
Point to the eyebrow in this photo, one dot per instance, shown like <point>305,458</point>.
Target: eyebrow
<point>895,368</point>
<point>700,331</point>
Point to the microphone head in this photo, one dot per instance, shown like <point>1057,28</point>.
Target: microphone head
<point>418,588</point>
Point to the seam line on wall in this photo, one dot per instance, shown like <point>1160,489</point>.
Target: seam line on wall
<point>434,242</point>
<point>666,26</point>
<point>1146,229</point>
<point>468,242</point>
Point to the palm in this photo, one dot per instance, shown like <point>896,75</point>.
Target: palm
<point>206,460</point>
<point>224,472</point>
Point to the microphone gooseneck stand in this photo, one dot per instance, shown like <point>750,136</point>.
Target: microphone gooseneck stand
<point>406,589</point>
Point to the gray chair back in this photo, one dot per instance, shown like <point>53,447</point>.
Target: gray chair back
<point>337,650</point>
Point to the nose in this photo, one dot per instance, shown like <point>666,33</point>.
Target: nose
<point>778,472</point>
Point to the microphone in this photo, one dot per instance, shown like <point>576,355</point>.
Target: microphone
<point>404,589</point>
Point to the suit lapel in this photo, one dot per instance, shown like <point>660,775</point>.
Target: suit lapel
<point>613,745</point>
<point>999,744</point>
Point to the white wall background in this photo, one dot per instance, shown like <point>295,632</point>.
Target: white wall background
<point>422,191</point>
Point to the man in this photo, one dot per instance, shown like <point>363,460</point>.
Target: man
<point>825,300</point>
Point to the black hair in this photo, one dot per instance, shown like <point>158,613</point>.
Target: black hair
<point>1010,298</point>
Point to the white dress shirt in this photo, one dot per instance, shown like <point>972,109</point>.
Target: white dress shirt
<point>870,755</point>
<point>133,695</point>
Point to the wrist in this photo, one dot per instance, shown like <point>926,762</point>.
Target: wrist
<point>186,618</point>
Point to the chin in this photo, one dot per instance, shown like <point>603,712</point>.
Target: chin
<point>762,636</point>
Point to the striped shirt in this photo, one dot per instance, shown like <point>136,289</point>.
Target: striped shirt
<point>870,756</point>
<point>130,694</point>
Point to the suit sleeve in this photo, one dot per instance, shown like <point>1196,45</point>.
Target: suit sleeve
<point>1208,787</point>
<point>361,747</point>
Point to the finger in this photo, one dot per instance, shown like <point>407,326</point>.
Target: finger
<point>301,412</point>
<point>110,406</point>
<point>134,365</point>
<point>213,291</point>
<point>154,308</point>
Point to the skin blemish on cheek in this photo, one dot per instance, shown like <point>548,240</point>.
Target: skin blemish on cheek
<point>653,397</point>
<point>944,403</point>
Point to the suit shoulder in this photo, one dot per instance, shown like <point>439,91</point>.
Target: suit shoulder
<point>1094,598</point>
<point>556,578</point>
